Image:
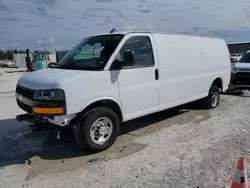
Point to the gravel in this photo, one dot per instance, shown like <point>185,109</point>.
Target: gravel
<point>181,147</point>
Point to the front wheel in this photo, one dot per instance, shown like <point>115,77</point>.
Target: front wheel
<point>98,130</point>
<point>213,98</point>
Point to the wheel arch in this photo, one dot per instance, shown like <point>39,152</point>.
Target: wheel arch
<point>103,102</point>
<point>219,83</point>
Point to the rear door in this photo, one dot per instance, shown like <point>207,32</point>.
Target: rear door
<point>139,84</point>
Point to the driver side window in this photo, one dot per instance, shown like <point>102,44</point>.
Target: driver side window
<point>88,52</point>
<point>142,48</point>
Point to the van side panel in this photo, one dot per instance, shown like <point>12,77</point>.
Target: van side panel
<point>215,63</point>
<point>179,68</point>
<point>187,67</point>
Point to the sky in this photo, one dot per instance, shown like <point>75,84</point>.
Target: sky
<point>50,24</point>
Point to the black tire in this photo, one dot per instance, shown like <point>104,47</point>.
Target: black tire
<point>209,101</point>
<point>51,65</point>
<point>32,66</point>
<point>82,132</point>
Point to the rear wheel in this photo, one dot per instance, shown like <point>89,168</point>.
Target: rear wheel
<point>213,98</point>
<point>98,129</point>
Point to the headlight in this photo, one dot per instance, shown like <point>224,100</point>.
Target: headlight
<point>50,94</point>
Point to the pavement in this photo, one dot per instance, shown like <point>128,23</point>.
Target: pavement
<point>181,147</point>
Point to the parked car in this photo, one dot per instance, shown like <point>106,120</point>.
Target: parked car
<point>240,77</point>
<point>8,63</point>
<point>113,78</point>
<point>2,63</point>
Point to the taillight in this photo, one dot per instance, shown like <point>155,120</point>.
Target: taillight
<point>229,56</point>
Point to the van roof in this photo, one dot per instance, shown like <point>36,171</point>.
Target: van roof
<point>159,32</point>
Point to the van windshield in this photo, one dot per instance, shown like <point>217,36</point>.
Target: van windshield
<point>245,58</point>
<point>91,53</point>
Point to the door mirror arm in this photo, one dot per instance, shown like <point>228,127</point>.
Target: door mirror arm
<point>128,61</point>
<point>116,65</point>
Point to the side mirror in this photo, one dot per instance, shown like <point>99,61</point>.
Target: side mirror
<point>116,65</point>
<point>128,58</point>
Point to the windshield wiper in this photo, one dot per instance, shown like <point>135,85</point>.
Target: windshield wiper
<point>79,67</point>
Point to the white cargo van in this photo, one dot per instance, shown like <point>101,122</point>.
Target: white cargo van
<point>112,78</point>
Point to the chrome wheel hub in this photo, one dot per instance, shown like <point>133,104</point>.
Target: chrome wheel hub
<point>215,99</point>
<point>101,130</point>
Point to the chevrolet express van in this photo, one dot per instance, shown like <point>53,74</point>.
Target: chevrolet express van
<point>112,78</point>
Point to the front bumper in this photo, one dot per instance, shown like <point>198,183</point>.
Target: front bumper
<point>240,81</point>
<point>240,78</point>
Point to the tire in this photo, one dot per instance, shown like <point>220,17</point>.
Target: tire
<point>212,102</point>
<point>51,65</point>
<point>86,140</point>
<point>32,66</point>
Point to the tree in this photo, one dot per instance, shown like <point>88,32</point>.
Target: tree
<point>2,55</point>
<point>9,54</point>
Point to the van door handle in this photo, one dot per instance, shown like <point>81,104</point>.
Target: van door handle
<point>156,74</point>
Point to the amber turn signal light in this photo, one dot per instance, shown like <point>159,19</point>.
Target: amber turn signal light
<point>40,110</point>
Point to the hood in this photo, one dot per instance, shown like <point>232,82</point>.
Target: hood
<point>51,78</point>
